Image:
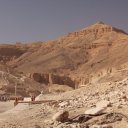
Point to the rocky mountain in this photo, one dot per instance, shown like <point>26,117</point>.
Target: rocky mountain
<point>97,53</point>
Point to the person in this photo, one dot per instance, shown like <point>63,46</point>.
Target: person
<point>16,101</point>
<point>4,98</point>
<point>33,98</point>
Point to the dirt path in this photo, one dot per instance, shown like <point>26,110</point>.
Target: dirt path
<point>4,106</point>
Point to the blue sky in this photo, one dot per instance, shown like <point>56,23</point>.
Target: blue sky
<point>35,20</point>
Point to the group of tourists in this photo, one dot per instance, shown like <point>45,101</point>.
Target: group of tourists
<point>4,98</point>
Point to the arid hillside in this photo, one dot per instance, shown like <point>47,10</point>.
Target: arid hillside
<point>96,53</point>
<point>94,60</point>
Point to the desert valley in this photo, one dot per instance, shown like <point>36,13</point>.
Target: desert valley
<point>80,80</point>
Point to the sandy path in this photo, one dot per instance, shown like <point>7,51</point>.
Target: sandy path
<point>18,108</point>
<point>4,106</point>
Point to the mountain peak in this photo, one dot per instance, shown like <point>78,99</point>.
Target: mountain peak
<point>98,25</point>
<point>100,22</point>
<point>99,28</point>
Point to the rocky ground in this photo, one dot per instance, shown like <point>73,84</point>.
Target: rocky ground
<point>93,106</point>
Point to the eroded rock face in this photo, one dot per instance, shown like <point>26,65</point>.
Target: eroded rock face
<point>10,52</point>
<point>41,78</point>
<point>92,31</point>
<point>52,79</point>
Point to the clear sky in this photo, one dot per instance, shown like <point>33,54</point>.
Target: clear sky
<point>34,20</point>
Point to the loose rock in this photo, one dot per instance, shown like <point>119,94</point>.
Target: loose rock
<point>61,116</point>
<point>95,111</point>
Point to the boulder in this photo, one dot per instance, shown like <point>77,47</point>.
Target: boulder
<point>101,126</point>
<point>61,116</point>
<point>95,111</point>
<point>103,104</point>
